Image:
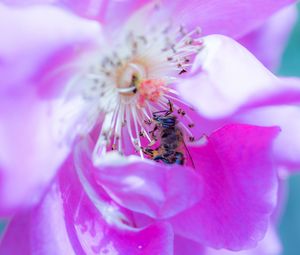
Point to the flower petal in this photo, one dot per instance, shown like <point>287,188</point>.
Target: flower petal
<point>93,9</point>
<point>240,189</point>
<point>117,12</point>
<point>270,245</point>
<point>29,154</point>
<point>41,231</point>
<point>18,230</point>
<point>287,145</point>
<point>55,31</point>
<point>66,222</point>
<point>232,17</point>
<point>268,42</point>
<point>85,8</point>
<point>226,77</point>
<point>183,246</point>
<point>144,186</point>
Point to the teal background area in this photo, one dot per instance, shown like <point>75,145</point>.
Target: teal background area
<point>289,227</point>
<point>290,64</point>
<point>1,226</point>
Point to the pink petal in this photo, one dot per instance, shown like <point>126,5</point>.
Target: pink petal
<point>41,231</point>
<point>270,245</point>
<point>268,42</point>
<point>240,189</point>
<point>28,2</point>
<point>117,12</point>
<point>93,230</point>
<point>232,17</point>
<point>226,77</point>
<point>55,31</point>
<point>144,186</point>
<point>287,145</point>
<point>94,9</point>
<point>90,221</point>
<point>85,8</point>
<point>183,246</point>
<point>66,222</point>
<point>16,238</point>
<point>106,11</point>
<point>29,154</point>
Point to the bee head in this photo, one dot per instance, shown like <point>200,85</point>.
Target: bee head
<point>157,117</point>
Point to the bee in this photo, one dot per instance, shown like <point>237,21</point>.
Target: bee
<point>172,146</point>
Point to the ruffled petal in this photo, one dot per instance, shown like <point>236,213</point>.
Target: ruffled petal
<point>240,189</point>
<point>233,18</point>
<point>183,246</point>
<point>117,12</point>
<point>41,231</point>
<point>226,77</point>
<point>97,225</point>
<point>46,31</point>
<point>110,13</point>
<point>29,152</point>
<point>18,231</point>
<point>93,9</point>
<point>268,42</point>
<point>66,222</point>
<point>144,186</point>
<point>287,145</point>
<point>270,245</point>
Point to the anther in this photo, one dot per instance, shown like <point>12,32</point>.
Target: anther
<point>181,112</point>
<point>182,71</point>
<point>191,139</point>
<point>148,122</point>
<point>124,123</point>
<point>143,39</point>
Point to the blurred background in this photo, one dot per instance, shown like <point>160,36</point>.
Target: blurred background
<point>289,227</point>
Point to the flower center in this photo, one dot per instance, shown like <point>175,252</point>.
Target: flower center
<point>125,86</point>
<point>129,78</point>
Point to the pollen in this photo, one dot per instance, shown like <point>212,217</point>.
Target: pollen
<point>150,90</point>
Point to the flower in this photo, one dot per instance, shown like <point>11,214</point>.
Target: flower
<point>138,58</point>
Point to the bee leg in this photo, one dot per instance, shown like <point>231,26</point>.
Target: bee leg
<point>165,160</point>
<point>148,152</point>
<point>171,109</point>
<point>179,158</point>
<point>152,132</point>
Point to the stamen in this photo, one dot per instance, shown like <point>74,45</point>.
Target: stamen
<point>134,114</point>
<point>131,82</point>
